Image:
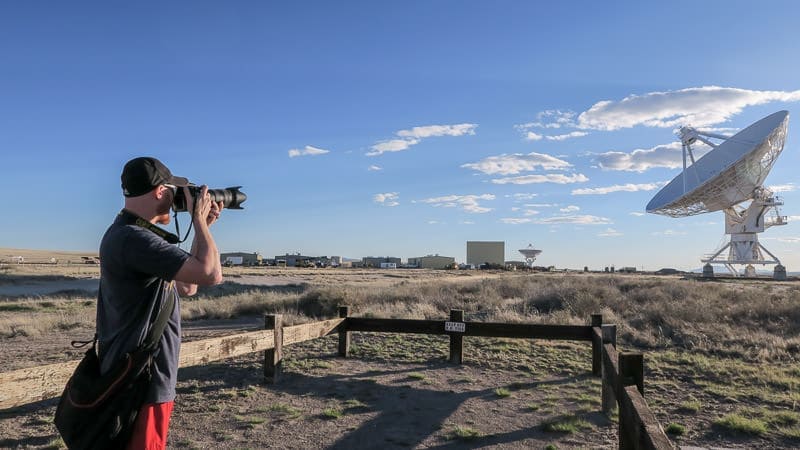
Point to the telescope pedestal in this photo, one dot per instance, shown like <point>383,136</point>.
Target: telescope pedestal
<point>744,225</point>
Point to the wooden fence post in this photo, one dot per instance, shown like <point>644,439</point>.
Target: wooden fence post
<point>597,347</point>
<point>609,400</point>
<point>273,358</point>
<point>344,335</point>
<point>456,339</point>
<point>631,372</point>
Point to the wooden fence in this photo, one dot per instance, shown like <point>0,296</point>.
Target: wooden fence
<point>622,373</point>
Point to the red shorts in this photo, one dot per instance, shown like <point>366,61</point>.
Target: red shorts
<point>150,429</point>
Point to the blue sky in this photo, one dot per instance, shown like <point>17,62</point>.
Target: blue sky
<point>401,129</point>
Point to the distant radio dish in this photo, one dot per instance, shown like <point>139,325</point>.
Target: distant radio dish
<point>530,254</point>
<point>733,172</point>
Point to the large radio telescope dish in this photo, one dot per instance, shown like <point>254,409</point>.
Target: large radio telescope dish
<point>733,172</point>
<point>530,254</point>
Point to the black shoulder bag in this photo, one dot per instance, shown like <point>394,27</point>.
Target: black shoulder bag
<point>98,411</point>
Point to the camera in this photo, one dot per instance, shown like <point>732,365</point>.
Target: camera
<point>231,198</point>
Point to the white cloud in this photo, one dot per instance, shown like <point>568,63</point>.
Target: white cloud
<point>551,118</point>
<point>548,178</point>
<point>433,222</point>
<point>578,220</point>
<point>522,196</point>
<point>515,221</point>
<point>629,187</point>
<point>468,203</point>
<point>467,222</point>
<point>700,106</point>
<point>374,168</point>
<point>636,213</point>
<point>516,163</point>
<point>394,145</point>
<point>531,136</point>
<point>414,135</point>
<point>530,212</point>
<point>438,130</point>
<point>307,151</point>
<point>788,187</point>
<point>639,160</point>
<point>610,232</point>
<point>540,205</point>
<point>562,137</point>
<point>570,208</point>
<point>386,199</point>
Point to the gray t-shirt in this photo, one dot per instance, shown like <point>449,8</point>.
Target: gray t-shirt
<point>133,261</point>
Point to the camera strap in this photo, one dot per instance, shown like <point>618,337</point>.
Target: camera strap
<point>178,229</point>
<point>129,218</point>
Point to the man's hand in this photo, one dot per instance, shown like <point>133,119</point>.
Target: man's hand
<point>214,213</point>
<point>204,267</point>
<point>205,207</point>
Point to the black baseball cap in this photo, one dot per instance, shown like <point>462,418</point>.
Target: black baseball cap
<point>143,174</point>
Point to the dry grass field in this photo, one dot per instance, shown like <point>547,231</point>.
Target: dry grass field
<point>721,360</point>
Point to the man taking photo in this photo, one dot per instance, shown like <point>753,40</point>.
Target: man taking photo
<point>135,257</point>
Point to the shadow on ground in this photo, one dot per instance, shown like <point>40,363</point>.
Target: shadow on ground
<point>35,420</point>
<point>408,412</point>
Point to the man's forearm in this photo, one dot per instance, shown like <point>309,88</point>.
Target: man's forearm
<point>205,250</point>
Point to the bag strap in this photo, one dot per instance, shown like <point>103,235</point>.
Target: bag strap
<point>164,292</point>
<point>160,323</point>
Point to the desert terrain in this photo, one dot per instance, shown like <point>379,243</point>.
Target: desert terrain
<point>721,359</point>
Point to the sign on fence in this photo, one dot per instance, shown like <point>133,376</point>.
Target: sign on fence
<point>456,327</point>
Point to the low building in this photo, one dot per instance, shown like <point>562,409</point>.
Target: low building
<point>376,261</point>
<point>241,259</point>
<point>432,262</point>
<point>295,260</point>
<point>327,261</point>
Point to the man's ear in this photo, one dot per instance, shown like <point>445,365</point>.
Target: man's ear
<point>159,191</point>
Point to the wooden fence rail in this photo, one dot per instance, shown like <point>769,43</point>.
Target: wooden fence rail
<point>622,373</point>
<point>478,329</point>
<point>22,386</point>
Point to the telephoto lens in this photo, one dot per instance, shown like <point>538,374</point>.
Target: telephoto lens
<point>231,198</point>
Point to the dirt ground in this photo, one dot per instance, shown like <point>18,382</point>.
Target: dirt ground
<point>394,391</point>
